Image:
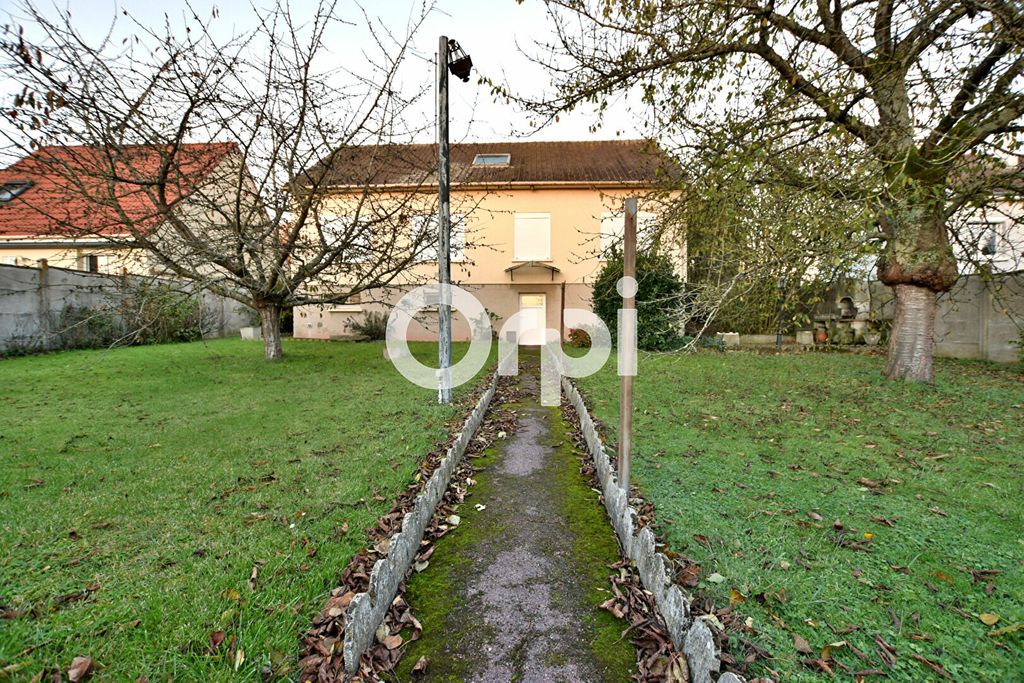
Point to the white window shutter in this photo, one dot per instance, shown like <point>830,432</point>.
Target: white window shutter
<point>532,240</point>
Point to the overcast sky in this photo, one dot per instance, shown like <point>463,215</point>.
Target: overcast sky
<point>492,31</point>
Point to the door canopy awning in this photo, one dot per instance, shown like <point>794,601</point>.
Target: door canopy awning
<point>511,270</point>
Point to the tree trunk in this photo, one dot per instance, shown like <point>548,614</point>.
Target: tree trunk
<point>913,335</point>
<point>918,263</point>
<point>270,325</point>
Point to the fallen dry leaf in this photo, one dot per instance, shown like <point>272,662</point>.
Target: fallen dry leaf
<point>420,667</point>
<point>79,669</point>
<point>1008,630</point>
<point>934,666</point>
<point>801,645</point>
<point>989,618</point>
<point>826,652</point>
<point>216,638</point>
<point>612,605</point>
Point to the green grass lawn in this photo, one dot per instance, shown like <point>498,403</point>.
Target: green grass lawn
<point>141,488</point>
<point>754,461</point>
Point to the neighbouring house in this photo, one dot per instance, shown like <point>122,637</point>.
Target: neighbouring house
<point>60,205</point>
<point>531,223</point>
<point>994,236</point>
<point>991,237</point>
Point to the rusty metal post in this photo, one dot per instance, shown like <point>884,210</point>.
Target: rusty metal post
<point>627,345</point>
<point>444,275</point>
<point>561,315</point>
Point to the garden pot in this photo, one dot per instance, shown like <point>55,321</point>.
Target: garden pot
<point>820,336</point>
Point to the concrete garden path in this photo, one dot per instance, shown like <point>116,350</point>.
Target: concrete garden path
<point>512,594</point>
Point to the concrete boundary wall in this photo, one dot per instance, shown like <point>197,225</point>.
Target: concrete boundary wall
<point>690,636</point>
<point>979,318</point>
<point>367,610</point>
<point>32,299</point>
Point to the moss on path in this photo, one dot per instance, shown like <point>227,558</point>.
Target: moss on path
<point>512,594</point>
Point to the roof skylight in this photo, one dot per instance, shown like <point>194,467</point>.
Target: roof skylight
<point>12,189</point>
<point>492,160</point>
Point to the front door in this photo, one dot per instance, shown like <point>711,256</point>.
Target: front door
<point>533,319</point>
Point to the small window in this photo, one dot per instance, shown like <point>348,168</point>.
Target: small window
<point>12,189</point>
<point>353,238</point>
<point>492,160</point>
<point>91,263</point>
<point>988,238</point>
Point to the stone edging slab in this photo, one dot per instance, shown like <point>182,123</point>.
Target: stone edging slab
<point>690,636</point>
<point>367,610</point>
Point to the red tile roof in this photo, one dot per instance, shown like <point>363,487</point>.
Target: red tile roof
<point>55,205</point>
<point>602,162</point>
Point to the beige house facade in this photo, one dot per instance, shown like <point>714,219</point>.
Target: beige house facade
<point>532,223</point>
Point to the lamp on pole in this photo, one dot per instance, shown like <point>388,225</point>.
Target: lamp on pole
<point>450,57</point>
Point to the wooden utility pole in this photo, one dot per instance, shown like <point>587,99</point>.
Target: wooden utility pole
<point>444,275</point>
<point>627,345</point>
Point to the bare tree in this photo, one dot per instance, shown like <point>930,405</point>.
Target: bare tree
<point>905,95</point>
<point>255,217</point>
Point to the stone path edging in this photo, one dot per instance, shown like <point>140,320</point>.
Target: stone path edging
<point>367,610</point>
<point>690,636</point>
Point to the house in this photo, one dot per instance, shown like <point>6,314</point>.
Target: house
<point>531,223</point>
<point>60,203</point>
<point>990,237</point>
<point>994,236</point>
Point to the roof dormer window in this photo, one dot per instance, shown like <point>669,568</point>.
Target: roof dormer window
<point>492,160</point>
<point>12,188</point>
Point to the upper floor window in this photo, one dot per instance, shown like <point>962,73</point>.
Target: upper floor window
<point>492,160</point>
<point>613,227</point>
<point>12,188</point>
<point>532,237</point>
<point>353,238</point>
<point>423,237</point>
<point>988,237</point>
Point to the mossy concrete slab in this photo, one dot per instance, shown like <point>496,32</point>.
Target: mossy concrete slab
<point>513,593</point>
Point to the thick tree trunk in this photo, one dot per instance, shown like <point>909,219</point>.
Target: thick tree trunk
<point>918,263</point>
<point>270,324</point>
<point>913,335</point>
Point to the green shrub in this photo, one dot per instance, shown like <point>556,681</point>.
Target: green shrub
<point>660,300</point>
<point>373,326</point>
<point>159,314</point>
<point>85,327</point>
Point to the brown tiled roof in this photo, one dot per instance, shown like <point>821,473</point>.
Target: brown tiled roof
<point>601,162</point>
<point>56,205</point>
